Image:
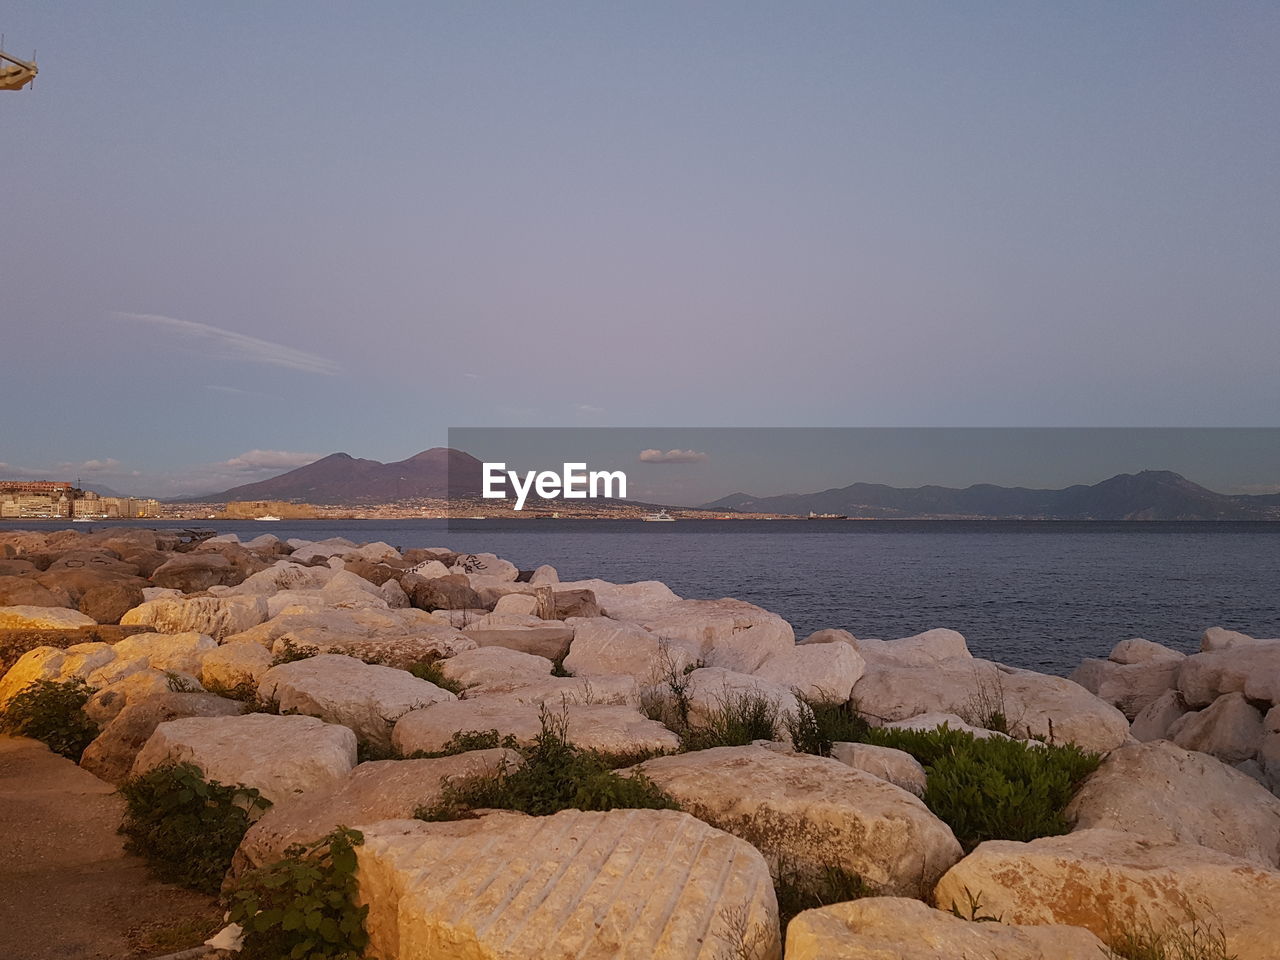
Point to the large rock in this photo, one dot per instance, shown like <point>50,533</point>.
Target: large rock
<point>219,617</point>
<point>919,650</point>
<point>449,592</point>
<point>622,885</point>
<point>193,572</point>
<point>1158,716</point>
<point>545,640</point>
<point>593,726</point>
<point>367,698</point>
<point>1248,666</point>
<point>485,565</point>
<point>627,601</point>
<point>112,753</point>
<point>557,691</point>
<point>180,652</point>
<point>496,669</point>
<point>1165,794</point>
<point>604,647</point>
<point>235,665</point>
<point>1130,687</point>
<point>1230,729</point>
<point>725,633</point>
<point>896,928</point>
<point>817,671</point>
<point>27,592</point>
<point>280,756</point>
<point>285,575</point>
<point>812,813</point>
<point>40,663</point>
<point>712,690</point>
<point>377,790</point>
<point>133,687</point>
<point>42,618</point>
<point>896,766</point>
<point>111,601</point>
<point>1108,881</point>
<point>304,550</point>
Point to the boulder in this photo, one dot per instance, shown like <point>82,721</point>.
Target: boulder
<point>193,572</point>
<point>604,647</point>
<point>812,813</point>
<point>235,665</point>
<point>1130,687</point>
<point>440,593</point>
<point>544,574</point>
<point>546,640</point>
<point>304,550</point>
<point>939,645</point>
<point>1158,716</point>
<point>428,569</point>
<point>830,635</point>
<point>181,652</point>
<point>42,618</point>
<point>485,565</point>
<point>1230,729</point>
<point>111,601</point>
<point>367,698</point>
<point>83,659</point>
<point>134,687</point>
<point>377,790</point>
<point>896,766</point>
<point>573,603</point>
<point>621,885</point>
<point>517,604</point>
<point>627,601</point>
<point>1138,650</point>
<point>27,592</point>
<point>285,575</point>
<point>1165,794</point>
<point>1218,638</point>
<point>95,561</point>
<point>1108,881</point>
<point>897,928</point>
<point>725,633</point>
<point>496,669</point>
<point>376,573</point>
<point>611,729</point>
<point>376,552</point>
<point>219,617</point>
<point>41,663</point>
<point>394,596</point>
<point>112,753</point>
<point>557,691</point>
<point>1251,668</point>
<point>281,757</point>
<point>817,671</point>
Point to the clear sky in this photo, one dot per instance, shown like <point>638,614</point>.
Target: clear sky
<point>237,235</point>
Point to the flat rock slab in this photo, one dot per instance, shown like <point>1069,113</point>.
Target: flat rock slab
<point>622,885</point>
<point>281,756</point>
<point>878,928</point>
<point>219,617</point>
<point>497,669</point>
<point>25,617</point>
<point>592,726</point>
<point>550,641</point>
<point>1106,880</point>
<point>378,790</point>
<point>813,812</point>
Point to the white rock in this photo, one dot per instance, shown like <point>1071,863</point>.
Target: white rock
<point>622,885</point>
<point>1130,687</point>
<point>818,671</point>
<point>1230,729</point>
<point>84,659</point>
<point>114,671</point>
<point>159,593</point>
<point>830,635</point>
<point>1218,638</point>
<point>23,617</point>
<point>921,650</point>
<point>393,595</point>
<point>725,633</point>
<point>487,566</point>
<point>1251,668</point>
<point>557,691</point>
<point>429,569</point>
<point>281,756</point>
<point>376,552</point>
<point>711,690</point>
<point>235,665</point>
<point>520,604</point>
<point>1138,650</point>
<point>367,698</point>
<point>604,647</point>
<point>813,812</point>
<point>285,575</point>
<point>218,617</point>
<point>627,601</point>
<point>1154,721</point>
<point>40,663</point>
<point>896,766</point>
<point>135,687</point>
<point>545,574</point>
<point>496,669</point>
<point>182,652</point>
<point>309,550</point>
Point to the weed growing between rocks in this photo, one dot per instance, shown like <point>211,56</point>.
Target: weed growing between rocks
<point>555,776</point>
<point>188,828</point>
<point>52,711</point>
<point>993,788</point>
<point>818,725</point>
<point>799,890</point>
<point>291,652</point>
<point>464,741</point>
<point>430,671</point>
<point>303,905</point>
<point>738,718</point>
<point>1196,940</point>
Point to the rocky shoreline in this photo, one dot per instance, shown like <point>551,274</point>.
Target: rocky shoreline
<point>359,686</point>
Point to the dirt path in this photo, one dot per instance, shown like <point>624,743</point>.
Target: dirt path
<point>67,889</point>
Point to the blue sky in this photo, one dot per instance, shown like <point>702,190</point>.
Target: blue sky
<point>236,235</point>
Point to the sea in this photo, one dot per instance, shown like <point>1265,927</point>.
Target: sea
<point>1041,595</point>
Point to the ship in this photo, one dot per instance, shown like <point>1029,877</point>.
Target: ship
<point>660,517</point>
<point>268,517</point>
<point>826,516</point>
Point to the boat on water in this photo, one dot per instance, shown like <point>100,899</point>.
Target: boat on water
<point>660,517</point>
<point>827,516</point>
<point>268,517</point>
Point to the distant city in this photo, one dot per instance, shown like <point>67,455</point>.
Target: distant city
<point>56,499</point>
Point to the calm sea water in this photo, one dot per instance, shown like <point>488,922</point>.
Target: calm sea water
<point>1037,595</point>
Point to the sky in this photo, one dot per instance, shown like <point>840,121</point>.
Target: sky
<point>238,236</point>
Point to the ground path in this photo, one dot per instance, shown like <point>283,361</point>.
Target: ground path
<point>67,888</point>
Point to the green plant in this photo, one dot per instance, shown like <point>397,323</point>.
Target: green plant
<point>555,776</point>
<point>187,827</point>
<point>53,711</point>
<point>799,890</point>
<point>1195,940</point>
<point>819,724</point>
<point>290,652</point>
<point>739,717</point>
<point>180,683</point>
<point>246,691</point>
<point>973,909</point>
<point>993,788</point>
<point>303,906</point>
<point>464,741</point>
<point>430,671</point>
<point>986,707</point>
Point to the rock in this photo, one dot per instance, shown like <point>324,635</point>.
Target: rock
<point>1251,668</point>
<point>367,698</point>
<point>921,650</point>
<point>394,595</point>
<point>193,572</point>
<point>42,618</point>
<point>621,885</point>
<point>1230,729</point>
<point>182,652</point>
<point>1165,794</point>
<point>280,756</point>
<point>518,604</point>
<point>112,753</point>
<point>219,617</point>
<point>27,592</point>
<point>896,766</point>
<point>544,574</point>
<point>818,671</point>
<point>604,647</point>
<point>550,640</point>
<point>378,790</point>
<point>574,603</point>
<point>1158,716</point>
<point>725,633</point>
<point>235,665</point>
<point>897,928</point>
<point>1130,687</point>
<point>376,573</point>
<point>497,669</point>
<point>285,575</point>
<point>115,671</point>
<point>83,659</point>
<point>1138,650</point>
<point>75,582</point>
<point>1217,638</point>
<point>711,689</point>
<point>440,593</point>
<point>611,729</point>
<point>1269,749</point>
<point>142,683</point>
<point>812,813</point>
<point>830,635</point>
<point>376,552</point>
<point>1107,881</point>
<point>485,565</point>
<point>557,691</point>
<point>95,561</point>
<point>304,550</point>
<point>428,570</point>
<point>42,663</point>
<point>109,602</point>
<point>627,601</point>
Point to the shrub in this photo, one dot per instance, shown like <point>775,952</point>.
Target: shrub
<point>464,741</point>
<point>303,905</point>
<point>187,827</point>
<point>1196,940</point>
<point>430,671</point>
<point>993,788</point>
<point>819,724</point>
<point>53,711</point>
<point>291,652</point>
<point>739,718</point>
<point>555,776</point>
<point>799,890</point>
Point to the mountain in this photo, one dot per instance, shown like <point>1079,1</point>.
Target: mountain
<point>1149,495</point>
<point>341,478</point>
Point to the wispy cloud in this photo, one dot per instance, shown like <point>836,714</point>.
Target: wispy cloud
<point>253,460</point>
<point>231,345</point>
<point>13,471</point>
<point>589,410</point>
<point>673,456</point>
